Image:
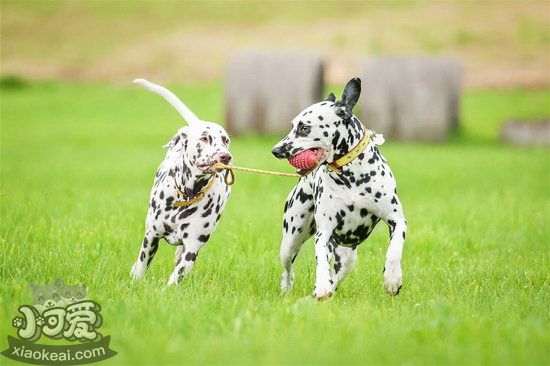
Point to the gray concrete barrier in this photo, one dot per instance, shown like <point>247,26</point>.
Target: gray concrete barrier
<point>411,98</point>
<point>526,133</point>
<point>266,90</point>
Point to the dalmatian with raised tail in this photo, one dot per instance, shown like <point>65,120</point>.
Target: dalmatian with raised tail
<point>188,195</point>
<point>348,189</point>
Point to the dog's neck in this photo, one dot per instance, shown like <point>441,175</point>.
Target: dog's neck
<point>350,132</point>
<point>188,178</point>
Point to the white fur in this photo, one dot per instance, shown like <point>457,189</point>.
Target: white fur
<point>174,101</point>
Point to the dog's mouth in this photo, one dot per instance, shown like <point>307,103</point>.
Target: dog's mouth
<point>206,167</point>
<point>306,160</point>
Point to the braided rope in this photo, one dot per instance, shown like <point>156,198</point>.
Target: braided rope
<point>229,177</point>
<point>230,168</point>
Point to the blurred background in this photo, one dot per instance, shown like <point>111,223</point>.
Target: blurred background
<point>271,59</point>
<point>461,91</point>
<point>500,44</point>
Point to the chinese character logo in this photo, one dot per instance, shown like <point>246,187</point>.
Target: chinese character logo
<point>59,311</point>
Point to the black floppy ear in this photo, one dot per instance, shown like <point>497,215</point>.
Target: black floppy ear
<point>331,98</point>
<point>350,96</point>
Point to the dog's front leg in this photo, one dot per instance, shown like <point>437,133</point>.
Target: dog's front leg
<point>147,252</point>
<point>298,226</point>
<point>185,260</point>
<point>323,253</point>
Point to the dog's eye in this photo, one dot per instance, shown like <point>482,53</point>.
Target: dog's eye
<point>225,141</point>
<point>303,129</point>
<point>204,139</point>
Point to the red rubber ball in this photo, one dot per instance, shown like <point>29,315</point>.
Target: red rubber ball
<point>304,160</point>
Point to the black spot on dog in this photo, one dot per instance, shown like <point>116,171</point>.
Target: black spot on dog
<point>398,289</point>
<point>188,212</point>
<point>191,256</point>
<point>167,228</point>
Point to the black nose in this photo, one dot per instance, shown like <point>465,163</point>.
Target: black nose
<point>225,158</point>
<point>277,151</point>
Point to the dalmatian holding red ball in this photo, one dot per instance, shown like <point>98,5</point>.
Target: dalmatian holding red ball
<point>346,189</point>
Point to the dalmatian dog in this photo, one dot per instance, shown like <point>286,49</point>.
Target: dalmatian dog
<point>341,205</point>
<point>188,195</point>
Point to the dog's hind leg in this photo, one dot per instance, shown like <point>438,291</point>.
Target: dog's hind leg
<point>186,257</point>
<point>344,261</point>
<point>392,268</point>
<point>298,226</point>
<point>177,253</point>
<point>147,252</point>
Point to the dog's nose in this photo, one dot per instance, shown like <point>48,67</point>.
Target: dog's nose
<point>225,158</point>
<point>276,151</point>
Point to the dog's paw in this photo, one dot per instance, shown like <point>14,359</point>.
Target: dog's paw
<point>173,280</point>
<point>137,272</point>
<point>393,278</point>
<point>287,281</point>
<point>321,293</point>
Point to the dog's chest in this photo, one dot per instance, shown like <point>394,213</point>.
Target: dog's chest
<point>194,222</point>
<point>350,214</point>
<point>351,202</point>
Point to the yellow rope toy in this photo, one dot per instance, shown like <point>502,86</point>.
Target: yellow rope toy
<point>229,177</point>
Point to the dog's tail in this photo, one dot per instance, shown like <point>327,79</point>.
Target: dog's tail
<point>182,109</point>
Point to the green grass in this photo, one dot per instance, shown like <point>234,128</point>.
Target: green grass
<point>77,165</point>
<point>485,111</point>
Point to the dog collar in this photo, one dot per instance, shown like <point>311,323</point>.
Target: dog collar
<point>337,164</point>
<point>187,201</point>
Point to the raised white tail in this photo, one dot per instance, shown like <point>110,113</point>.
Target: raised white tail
<point>182,109</point>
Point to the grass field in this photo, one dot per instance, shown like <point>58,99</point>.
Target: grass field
<point>77,165</point>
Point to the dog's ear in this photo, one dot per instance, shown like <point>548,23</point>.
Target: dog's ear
<point>331,98</point>
<point>351,93</point>
<point>350,96</point>
<point>179,137</point>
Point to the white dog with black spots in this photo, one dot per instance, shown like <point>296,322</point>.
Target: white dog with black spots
<point>340,206</point>
<point>186,174</point>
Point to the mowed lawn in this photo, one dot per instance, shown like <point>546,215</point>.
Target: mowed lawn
<point>77,166</point>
